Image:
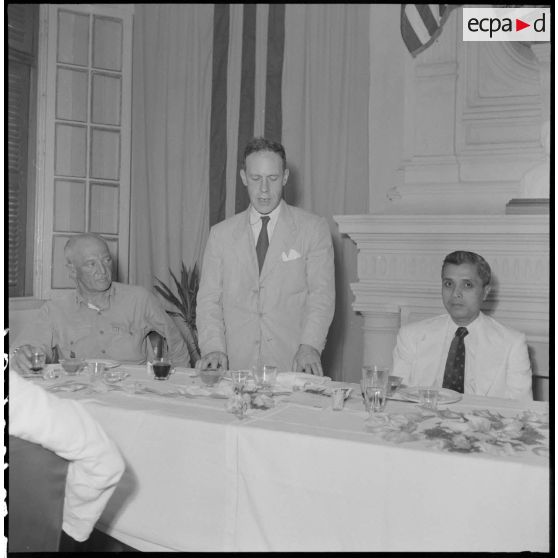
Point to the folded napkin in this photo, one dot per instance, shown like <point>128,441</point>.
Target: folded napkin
<point>300,380</point>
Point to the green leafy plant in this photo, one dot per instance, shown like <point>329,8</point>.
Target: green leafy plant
<point>185,302</point>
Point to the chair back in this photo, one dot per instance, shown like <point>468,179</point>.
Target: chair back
<point>36,488</point>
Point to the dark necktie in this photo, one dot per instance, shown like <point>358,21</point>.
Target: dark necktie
<point>263,243</point>
<point>454,374</point>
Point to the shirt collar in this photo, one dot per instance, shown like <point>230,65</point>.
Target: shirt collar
<point>81,300</point>
<point>255,215</point>
<point>473,326</point>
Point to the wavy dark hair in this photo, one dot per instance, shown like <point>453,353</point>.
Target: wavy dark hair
<point>461,256</point>
<point>262,144</point>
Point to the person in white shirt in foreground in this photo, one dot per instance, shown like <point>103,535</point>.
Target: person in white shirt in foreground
<point>496,360</point>
<point>66,428</point>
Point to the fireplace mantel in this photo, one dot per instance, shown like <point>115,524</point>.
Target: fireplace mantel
<point>399,264</point>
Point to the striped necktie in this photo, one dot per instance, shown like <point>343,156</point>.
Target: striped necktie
<point>454,374</point>
<point>263,242</point>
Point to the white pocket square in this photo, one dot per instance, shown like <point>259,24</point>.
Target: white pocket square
<point>292,255</point>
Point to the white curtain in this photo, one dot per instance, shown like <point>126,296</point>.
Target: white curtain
<point>325,133</point>
<point>170,138</point>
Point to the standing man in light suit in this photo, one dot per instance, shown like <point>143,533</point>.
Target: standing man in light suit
<point>267,289</point>
<point>465,350</point>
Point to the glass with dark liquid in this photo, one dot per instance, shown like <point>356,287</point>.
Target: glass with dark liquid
<point>162,368</point>
<point>37,361</point>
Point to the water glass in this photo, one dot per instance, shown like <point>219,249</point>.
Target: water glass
<point>377,398</point>
<point>375,387</point>
<point>428,397</point>
<point>338,399</point>
<point>37,360</point>
<point>96,370</point>
<point>265,375</point>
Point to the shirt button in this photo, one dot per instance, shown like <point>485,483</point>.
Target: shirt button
<point>71,342</point>
<point>101,332</point>
<point>103,351</point>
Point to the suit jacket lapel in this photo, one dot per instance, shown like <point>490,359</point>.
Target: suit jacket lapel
<point>244,242</point>
<point>486,357</point>
<point>282,240</point>
<point>432,360</point>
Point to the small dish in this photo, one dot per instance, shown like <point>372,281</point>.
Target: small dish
<point>445,396</point>
<point>210,377</point>
<point>72,366</point>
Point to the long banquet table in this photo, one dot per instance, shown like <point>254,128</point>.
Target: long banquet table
<point>302,477</point>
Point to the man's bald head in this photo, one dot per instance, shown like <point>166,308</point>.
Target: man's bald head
<point>76,244</point>
<point>90,264</point>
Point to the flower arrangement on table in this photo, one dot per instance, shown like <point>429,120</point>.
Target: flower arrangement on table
<point>467,432</point>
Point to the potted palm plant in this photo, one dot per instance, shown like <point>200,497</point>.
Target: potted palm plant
<point>185,303</point>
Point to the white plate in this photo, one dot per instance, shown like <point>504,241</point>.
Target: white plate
<point>67,386</point>
<point>445,395</point>
<point>107,363</point>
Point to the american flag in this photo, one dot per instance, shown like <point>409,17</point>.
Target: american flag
<point>422,23</point>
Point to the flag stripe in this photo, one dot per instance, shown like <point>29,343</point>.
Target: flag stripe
<point>262,13</point>
<point>246,119</point>
<point>218,125</point>
<point>275,51</point>
<point>427,18</point>
<point>410,38</point>
<point>415,21</point>
<point>422,24</point>
<point>233,102</point>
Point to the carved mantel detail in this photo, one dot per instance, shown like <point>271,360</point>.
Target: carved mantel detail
<point>399,264</point>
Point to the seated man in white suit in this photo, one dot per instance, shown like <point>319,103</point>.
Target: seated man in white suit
<point>267,288</point>
<point>464,350</point>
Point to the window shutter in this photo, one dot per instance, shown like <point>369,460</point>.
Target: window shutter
<point>18,105</point>
<point>21,61</point>
<point>21,27</point>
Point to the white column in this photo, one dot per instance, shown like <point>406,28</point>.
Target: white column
<point>380,334</point>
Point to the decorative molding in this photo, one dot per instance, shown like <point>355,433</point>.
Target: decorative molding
<point>474,115</point>
<point>497,76</point>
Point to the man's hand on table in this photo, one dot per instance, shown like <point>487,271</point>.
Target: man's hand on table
<point>213,361</point>
<point>20,359</point>
<point>307,359</point>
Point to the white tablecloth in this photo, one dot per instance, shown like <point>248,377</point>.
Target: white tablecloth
<point>301,477</point>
